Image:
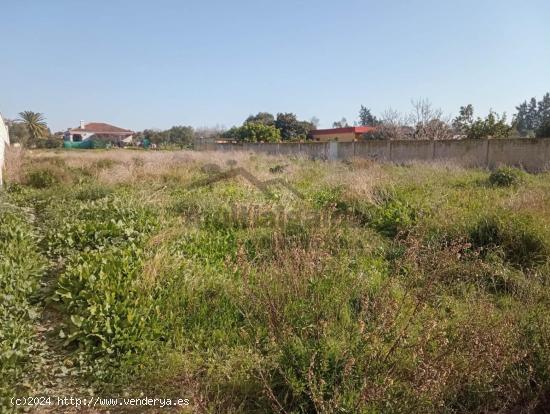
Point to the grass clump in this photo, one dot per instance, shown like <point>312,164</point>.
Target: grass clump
<point>42,178</point>
<point>518,238</point>
<point>92,193</point>
<point>104,164</point>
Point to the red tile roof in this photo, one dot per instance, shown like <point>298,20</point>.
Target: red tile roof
<point>102,128</point>
<point>346,130</point>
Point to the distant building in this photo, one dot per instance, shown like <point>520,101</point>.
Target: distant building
<point>99,130</point>
<point>346,134</point>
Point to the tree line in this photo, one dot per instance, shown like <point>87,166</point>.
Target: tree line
<point>424,121</point>
<point>265,127</point>
<point>532,120</point>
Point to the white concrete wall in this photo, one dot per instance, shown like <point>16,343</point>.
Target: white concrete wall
<point>531,154</point>
<point>85,135</point>
<point>4,142</point>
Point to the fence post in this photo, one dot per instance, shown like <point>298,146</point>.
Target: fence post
<point>433,150</point>
<point>389,150</point>
<point>278,148</point>
<point>354,149</point>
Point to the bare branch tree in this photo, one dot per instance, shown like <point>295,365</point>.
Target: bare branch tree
<point>429,122</point>
<point>393,125</point>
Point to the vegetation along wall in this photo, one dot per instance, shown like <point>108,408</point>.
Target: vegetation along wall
<point>531,154</point>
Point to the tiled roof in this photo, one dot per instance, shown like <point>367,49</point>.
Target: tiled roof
<point>101,128</point>
<point>356,130</point>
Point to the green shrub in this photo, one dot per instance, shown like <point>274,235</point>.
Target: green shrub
<point>109,314</point>
<point>106,310</point>
<point>277,169</point>
<point>517,237</point>
<point>392,214</point>
<point>506,177</point>
<point>95,225</point>
<point>50,142</point>
<point>92,193</point>
<point>394,217</point>
<point>42,178</point>
<point>329,197</point>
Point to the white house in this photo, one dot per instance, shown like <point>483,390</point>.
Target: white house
<point>100,130</point>
<point>4,142</point>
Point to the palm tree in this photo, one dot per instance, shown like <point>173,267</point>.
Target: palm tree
<point>35,123</point>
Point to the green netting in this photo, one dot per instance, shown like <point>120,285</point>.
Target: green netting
<point>88,144</point>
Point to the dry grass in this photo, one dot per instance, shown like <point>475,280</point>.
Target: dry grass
<point>14,164</point>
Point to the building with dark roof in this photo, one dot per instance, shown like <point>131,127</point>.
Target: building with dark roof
<point>98,130</point>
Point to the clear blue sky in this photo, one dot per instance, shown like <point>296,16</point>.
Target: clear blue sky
<point>141,64</point>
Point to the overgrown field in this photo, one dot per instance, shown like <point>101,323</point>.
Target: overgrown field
<point>340,288</point>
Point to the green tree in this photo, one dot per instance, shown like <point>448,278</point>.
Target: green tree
<point>493,126</point>
<point>543,111</point>
<point>254,132</point>
<point>521,119</point>
<point>343,123</point>
<point>366,118</point>
<point>264,118</point>
<point>291,128</point>
<point>153,135</point>
<point>181,136</point>
<point>464,120</point>
<point>532,115</point>
<point>35,122</point>
<point>544,130</point>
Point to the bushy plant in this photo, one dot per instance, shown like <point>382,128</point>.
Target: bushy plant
<point>391,214</point>
<point>50,142</point>
<point>109,314</point>
<point>394,216</point>
<point>506,177</point>
<point>96,225</point>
